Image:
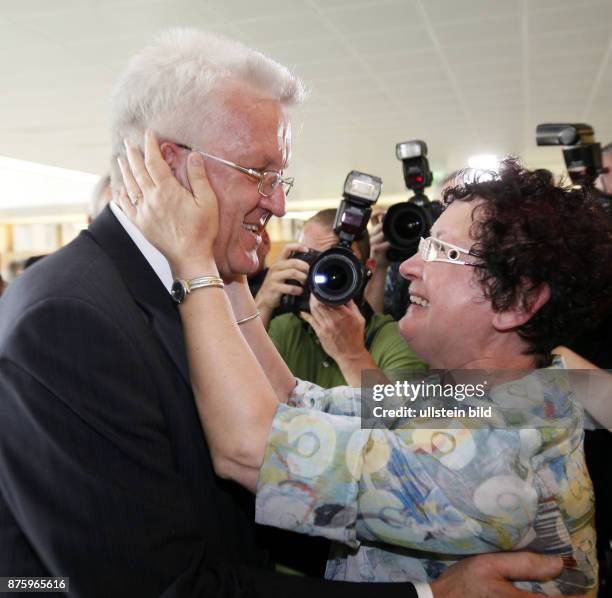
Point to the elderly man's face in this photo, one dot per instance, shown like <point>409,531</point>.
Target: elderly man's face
<point>252,131</point>
<point>456,326</point>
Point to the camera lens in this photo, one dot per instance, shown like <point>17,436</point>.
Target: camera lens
<point>333,279</point>
<point>408,226</point>
<point>405,224</point>
<point>336,277</point>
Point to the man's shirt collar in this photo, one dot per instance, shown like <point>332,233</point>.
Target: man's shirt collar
<point>156,259</point>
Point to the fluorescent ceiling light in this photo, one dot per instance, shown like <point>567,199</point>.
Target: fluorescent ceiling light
<point>29,184</point>
<point>484,162</point>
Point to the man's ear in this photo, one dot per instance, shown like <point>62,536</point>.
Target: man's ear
<point>171,155</point>
<point>516,316</point>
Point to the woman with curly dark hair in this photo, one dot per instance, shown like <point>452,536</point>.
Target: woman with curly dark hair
<point>515,266</point>
<point>532,235</point>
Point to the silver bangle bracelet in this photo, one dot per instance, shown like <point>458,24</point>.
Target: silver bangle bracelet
<point>249,318</point>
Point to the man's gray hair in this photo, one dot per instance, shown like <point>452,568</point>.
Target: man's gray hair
<point>607,149</point>
<point>165,86</point>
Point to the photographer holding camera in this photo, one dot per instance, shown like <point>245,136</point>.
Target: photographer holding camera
<point>275,285</point>
<point>331,345</point>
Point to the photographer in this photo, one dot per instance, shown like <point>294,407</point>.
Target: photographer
<point>332,345</point>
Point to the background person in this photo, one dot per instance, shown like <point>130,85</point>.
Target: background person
<point>101,195</point>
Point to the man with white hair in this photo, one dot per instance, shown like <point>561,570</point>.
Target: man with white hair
<point>105,475</point>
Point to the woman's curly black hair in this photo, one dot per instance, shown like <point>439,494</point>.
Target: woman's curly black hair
<point>530,231</point>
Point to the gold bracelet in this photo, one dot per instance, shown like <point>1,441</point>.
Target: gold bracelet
<point>205,281</point>
<point>249,318</point>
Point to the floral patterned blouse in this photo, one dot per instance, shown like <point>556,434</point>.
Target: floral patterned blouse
<point>405,504</point>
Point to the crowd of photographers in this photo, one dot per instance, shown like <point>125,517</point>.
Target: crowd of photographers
<point>352,274</point>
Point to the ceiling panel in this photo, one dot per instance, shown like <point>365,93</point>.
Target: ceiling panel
<point>476,52</point>
<point>380,16</point>
<point>568,43</point>
<point>400,40</point>
<point>548,6</point>
<point>491,30</point>
<point>413,78</point>
<point>333,67</point>
<point>238,10</point>
<point>464,75</point>
<point>570,17</point>
<point>258,32</point>
<point>442,11</point>
<point>415,60</point>
<point>308,51</point>
<point>26,8</point>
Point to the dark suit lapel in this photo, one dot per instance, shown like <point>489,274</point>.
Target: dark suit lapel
<point>144,285</point>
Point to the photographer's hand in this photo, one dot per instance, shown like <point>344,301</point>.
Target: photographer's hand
<point>378,244</point>
<point>340,331</point>
<point>275,283</point>
<point>375,291</point>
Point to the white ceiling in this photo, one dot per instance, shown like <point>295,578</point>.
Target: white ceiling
<point>467,76</point>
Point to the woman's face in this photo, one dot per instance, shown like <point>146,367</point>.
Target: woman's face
<point>454,328</point>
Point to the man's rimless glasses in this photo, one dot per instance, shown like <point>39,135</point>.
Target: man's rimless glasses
<point>269,180</point>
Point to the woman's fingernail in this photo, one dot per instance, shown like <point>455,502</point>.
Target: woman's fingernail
<point>195,159</point>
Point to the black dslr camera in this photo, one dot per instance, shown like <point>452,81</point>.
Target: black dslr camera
<point>581,152</point>
<point>336,276</point>
<point>405,223</point>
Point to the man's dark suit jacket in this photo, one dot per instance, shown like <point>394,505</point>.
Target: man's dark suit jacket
<point>105,476</point>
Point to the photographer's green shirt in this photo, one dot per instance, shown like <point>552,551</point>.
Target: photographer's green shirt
<point>299,346</point>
